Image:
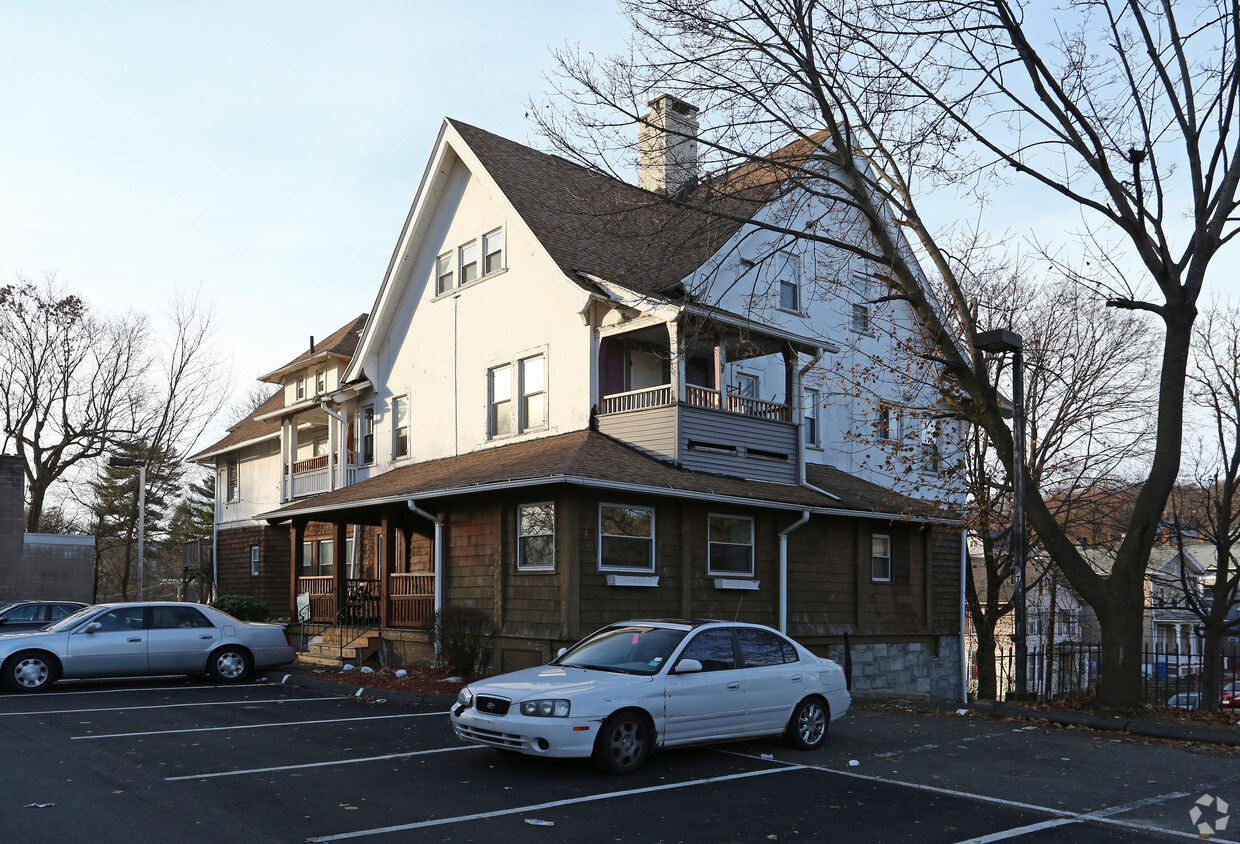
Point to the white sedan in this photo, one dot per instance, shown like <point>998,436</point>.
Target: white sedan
<point>635,686</point>
<point>141,640</point>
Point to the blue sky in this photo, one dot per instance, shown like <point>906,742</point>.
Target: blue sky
<point>265,153</point>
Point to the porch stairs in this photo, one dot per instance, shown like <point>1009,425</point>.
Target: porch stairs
<point>337,645</point>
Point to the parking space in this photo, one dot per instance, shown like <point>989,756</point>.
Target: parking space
<point>187,762</point>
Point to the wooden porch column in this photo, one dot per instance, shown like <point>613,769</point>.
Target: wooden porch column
<point>721,356</point>
<point>386,563</point>
<point>297,535</point>
<point>338,567</point>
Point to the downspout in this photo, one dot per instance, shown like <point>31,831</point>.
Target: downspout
<point>964,653</point>
<point>783,570</point>
<point>801,478</point>
<point>215,537</point>
<point>413,505</point>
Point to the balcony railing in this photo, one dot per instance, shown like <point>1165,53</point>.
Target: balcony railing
<point>314,475</point>
<point>696,396</point>
<point>411,599</point>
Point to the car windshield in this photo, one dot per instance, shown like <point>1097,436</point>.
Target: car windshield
<point>70,621</point>
<point>627,649</point>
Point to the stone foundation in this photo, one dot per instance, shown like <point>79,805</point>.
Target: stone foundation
<point>915,669</point>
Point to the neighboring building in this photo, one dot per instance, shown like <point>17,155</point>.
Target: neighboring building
<point>38,566</point>
<point>549,417</point>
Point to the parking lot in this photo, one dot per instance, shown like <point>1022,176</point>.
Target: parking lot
<point>183,761</point>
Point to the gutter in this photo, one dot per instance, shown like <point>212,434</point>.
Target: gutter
<point>783,570</point>
<point>277,516</point>
<point>413,506</point>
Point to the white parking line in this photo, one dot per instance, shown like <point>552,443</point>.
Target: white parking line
<point>1018,831</point>
<point>166,706</point>
<point>60,692</point>
<point>537,807</point>
<point>258,726</point>
<point>350,761</point>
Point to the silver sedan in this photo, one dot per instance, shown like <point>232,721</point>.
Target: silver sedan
<point>142,639</point>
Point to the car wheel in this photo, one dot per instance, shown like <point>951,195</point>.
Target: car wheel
<point>623,743</point>
<point>807,728</point>
<point>230,665</point>
<point>29,671</point>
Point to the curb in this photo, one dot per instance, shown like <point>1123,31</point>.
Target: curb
<point>303,680</point>
<point>1175,732</point>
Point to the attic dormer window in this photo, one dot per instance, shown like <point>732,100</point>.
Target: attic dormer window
<point>301,387</point>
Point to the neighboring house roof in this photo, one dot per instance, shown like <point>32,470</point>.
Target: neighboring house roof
<point>264,421</point>
<point>249,430</point>
<point>593,459</point>
<point>341,343</point>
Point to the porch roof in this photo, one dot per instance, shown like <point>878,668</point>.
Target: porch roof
<point>588,458</point>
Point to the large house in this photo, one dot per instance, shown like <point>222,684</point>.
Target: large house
<point>574,402</point>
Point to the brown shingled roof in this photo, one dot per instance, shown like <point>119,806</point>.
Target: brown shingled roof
<point>249,428</point>
<point>595,457</point>
<point>343,342</point>
<point>592,223</point>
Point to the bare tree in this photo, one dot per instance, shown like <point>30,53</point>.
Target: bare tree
<point>73,382</point>
<point>1213,503</point>
<point>1126,111</point>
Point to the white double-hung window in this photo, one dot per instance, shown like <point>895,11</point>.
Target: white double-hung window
<point>493,252</point>
<point>526,380</point>
<point>400,427</point>
<point>730,546</point>
<point>625,538</point>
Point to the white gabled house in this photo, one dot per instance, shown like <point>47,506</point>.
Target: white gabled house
<point>573,402</point>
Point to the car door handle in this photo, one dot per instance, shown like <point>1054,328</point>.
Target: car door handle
<point>207,636</point>
<point>134,639</point>
<point>796,678</point>
<point>733,686</point>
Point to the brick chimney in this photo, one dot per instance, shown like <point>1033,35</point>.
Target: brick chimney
<point>667,146</point>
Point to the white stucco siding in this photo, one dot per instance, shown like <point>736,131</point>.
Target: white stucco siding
<point>441,346</point>
<point>871,369</point>
<point>258,489</point>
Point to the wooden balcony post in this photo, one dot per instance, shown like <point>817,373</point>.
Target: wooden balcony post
<point>677,369</point>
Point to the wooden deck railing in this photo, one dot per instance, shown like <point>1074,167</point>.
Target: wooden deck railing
<point>696,396</point>
<point>411,599</point>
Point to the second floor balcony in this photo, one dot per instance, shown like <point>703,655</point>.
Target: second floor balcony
<point>680,407</point>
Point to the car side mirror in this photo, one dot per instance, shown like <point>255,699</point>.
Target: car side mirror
<point>93,627</point>
<point>688,666</point>
<point>561,652</point>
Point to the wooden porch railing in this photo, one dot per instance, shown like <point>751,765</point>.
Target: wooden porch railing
<point>310,464</point>
<point>660,396</point>
<point>411,599</point>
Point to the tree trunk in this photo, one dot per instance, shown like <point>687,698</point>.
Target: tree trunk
<point>1212,667</point>
<point>987,676</point>
<point>1119,683</point>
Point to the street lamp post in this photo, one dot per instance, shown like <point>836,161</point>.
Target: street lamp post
<point>1002,340</point>
<point>129,463</point>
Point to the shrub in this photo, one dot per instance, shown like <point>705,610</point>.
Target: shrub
<point>462,638</point>
<point>242,607</point>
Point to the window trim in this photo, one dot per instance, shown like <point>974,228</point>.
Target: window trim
<point>232,480</point>
<point>859,322</point>
<point>545,567</point>
<point>461,263</point>
<point>812,412</point>
<point>711,571</point>
<point>874,578</point>
<point>651,569</point>
<point>440,287</point>
<point>254,560</point>
<point>318,557</point>
<point>887,426</point>
<point>365,437</point>
<point>517,396</point>
<point>396,429</point>
<point>496,233</point>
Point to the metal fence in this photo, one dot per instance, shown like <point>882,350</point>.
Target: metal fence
<point>1072,670</point>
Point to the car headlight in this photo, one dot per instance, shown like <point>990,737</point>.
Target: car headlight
<point>465,697</point>
<point>545,708</point>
